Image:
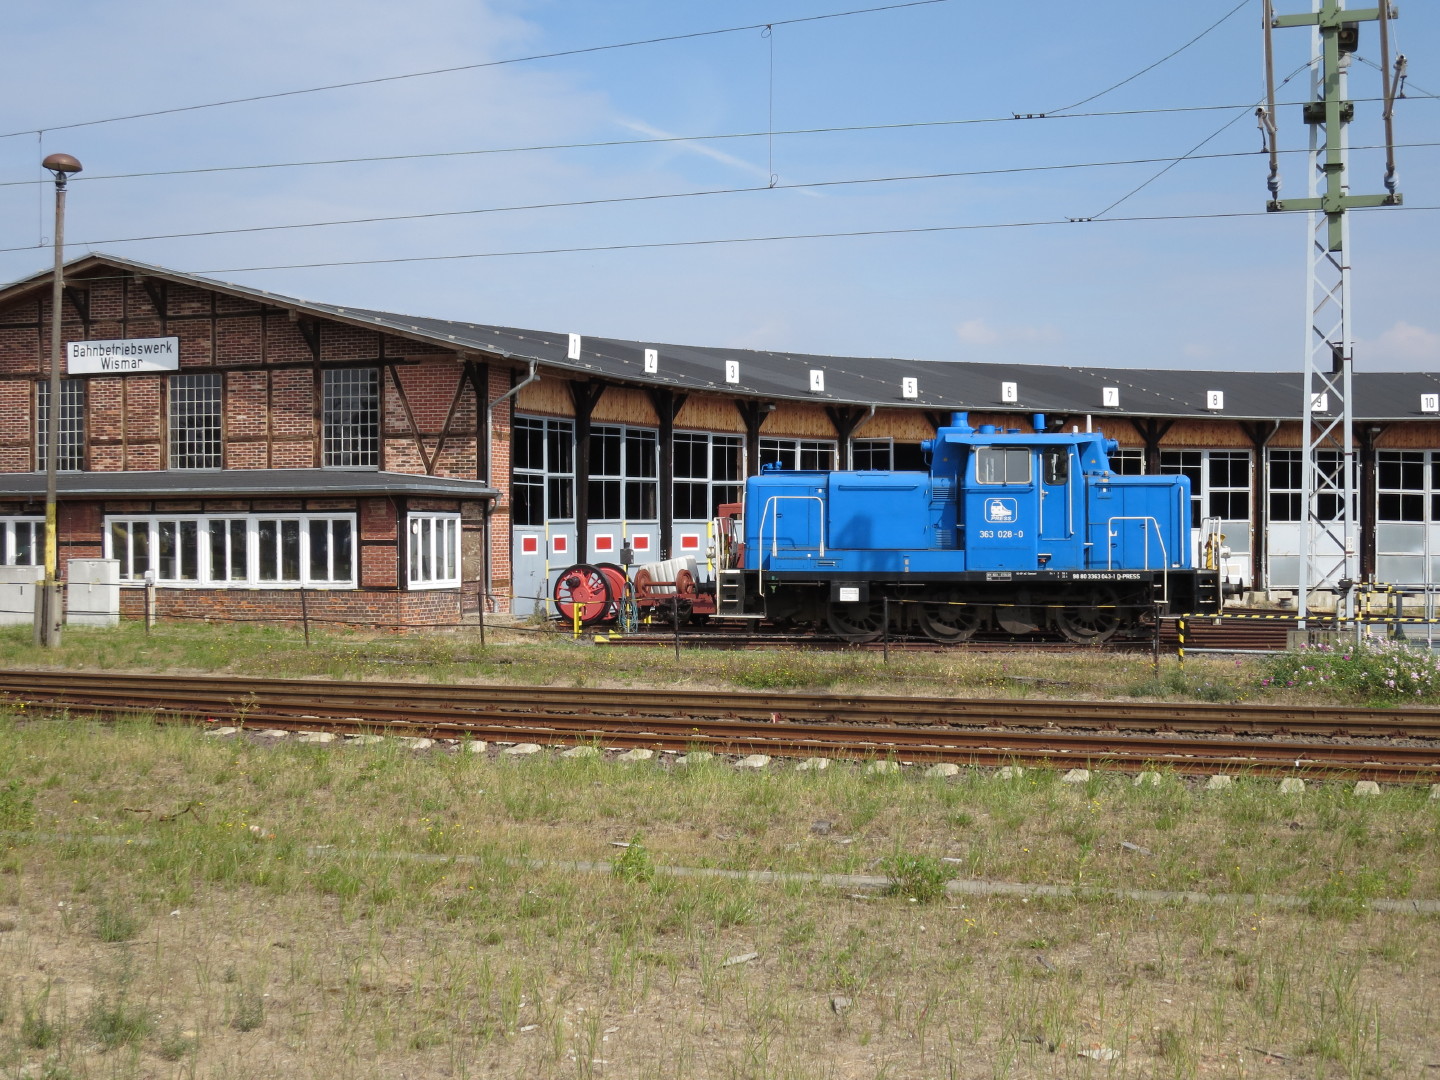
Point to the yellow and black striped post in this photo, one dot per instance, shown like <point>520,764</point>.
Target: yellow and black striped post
<point>1180,642</point>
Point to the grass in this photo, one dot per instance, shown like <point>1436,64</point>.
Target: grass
<point>201,945</point>
<point>546,658</point>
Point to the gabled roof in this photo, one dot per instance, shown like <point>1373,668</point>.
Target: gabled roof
<point>847,380</point>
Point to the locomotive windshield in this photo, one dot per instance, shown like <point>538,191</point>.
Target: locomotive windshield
<point>1002,465</point>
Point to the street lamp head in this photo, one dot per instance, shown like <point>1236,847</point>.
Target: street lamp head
<point>61,163</point>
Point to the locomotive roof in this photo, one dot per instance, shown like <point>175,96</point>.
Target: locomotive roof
<point>1058,390</point>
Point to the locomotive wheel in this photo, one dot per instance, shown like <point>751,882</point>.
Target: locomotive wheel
<point>644,588</point>
<point>685,583</point>
<point>1090,623</point>
<point>587,585</point>
<point>949,622</point>
<point>857,622</point>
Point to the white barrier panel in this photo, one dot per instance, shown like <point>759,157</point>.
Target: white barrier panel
<point>17,594</point>
<point>92,594</point>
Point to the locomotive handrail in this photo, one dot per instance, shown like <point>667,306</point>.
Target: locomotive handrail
<point>775,535</point>
<point>1111,533</point>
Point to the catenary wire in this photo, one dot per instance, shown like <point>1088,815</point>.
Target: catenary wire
<point>789,236</point>
<point>1190,153</point>
<point>379,219</point>
<point>476,67</point>
<point>1157,63</point>
<point>659,140</point>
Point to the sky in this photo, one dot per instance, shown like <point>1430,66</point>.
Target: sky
<point>953,266</point>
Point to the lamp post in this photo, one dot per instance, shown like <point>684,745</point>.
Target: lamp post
<point>48,617</point>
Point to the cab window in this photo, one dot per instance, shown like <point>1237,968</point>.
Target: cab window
<point>1057,465</point>
<point>1002,465</point>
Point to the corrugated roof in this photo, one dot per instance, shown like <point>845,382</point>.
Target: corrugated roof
<point>849,380</point>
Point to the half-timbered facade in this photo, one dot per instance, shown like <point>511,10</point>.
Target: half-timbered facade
<point>371,468</point>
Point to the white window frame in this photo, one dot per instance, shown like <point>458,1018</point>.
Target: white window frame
<point>9,526</point>
<point>872,447</point>
<point>433,550</point>
<point>804,455</point>
<point>1131,457</point>
<point>133,569</point>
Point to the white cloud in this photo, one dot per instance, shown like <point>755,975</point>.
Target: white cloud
<point>980,332</point>
<point>1402,344</point>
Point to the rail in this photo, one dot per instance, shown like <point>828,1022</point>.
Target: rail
<point>1130,736</point>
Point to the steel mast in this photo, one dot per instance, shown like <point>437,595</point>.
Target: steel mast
<point>1330,559</point>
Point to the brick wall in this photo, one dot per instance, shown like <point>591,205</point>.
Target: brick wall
<point>431,419</point>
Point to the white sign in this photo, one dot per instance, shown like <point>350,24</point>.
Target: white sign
<point>817,381</point>
<point>122,356</point>
<point>572,348</point>
<point>1215,399</point>
<point>1110,397</point>
<point>1430,402</point>
<point>732,371</point>
<point>1009,392</point>
<point>652,361</point>
<point>909,388</point>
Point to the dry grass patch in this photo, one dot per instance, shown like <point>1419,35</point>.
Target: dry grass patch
<point>222,943</point>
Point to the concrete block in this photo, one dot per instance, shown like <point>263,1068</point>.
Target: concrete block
<point>944,769</point>
<point>1009,772</point>
<point>584,750</point>
<point>522,749</point>
<point>695,757</point>
<point>1076,776</point>
<point>816,764</point>
<point>476,746</point>
<point>1365,787</point>
<point>640,753</point>
<point>754,761</point>
<point>1219,782</point>
<point>1147,779</point>
<point>876,768</point>
<point>1292,785</point>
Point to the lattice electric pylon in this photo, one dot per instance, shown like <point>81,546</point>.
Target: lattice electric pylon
<point>1330,561</point>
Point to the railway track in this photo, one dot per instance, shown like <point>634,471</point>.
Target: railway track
<point>1127,735</point>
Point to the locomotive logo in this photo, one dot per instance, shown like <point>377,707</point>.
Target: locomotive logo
<point>1000,510</point>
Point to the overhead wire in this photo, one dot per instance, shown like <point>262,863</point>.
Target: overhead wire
<point>651,245</point>
<point>689,36</point>
<point>1214,134</point>
<point>649,141</point>
<point>661,196</point>
<point>1157,63</point>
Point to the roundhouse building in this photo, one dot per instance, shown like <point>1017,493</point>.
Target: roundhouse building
<point>252,453</point>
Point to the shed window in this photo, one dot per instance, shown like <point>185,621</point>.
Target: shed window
<point>542,481</point>
<point>72,425</point>
<point>266,550</point>
<point>22,541</point>
<point>351,418</point>
<point>195,421</point>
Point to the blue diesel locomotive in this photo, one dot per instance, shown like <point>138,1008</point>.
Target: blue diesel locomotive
<point>1008,532</point>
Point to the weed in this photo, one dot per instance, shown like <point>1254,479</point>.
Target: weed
<point>115,923</point>
<point>635,863</point>
<point>920,878</point>
<point>175,1045</point>
<point>37,1030</point>
<point>17,807</point>
<point>247,1010</point>
<point>115,1022</point>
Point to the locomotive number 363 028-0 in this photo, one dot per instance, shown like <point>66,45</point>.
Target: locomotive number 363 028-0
<point>1002,534</point>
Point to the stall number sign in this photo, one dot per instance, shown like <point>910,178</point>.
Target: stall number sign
<point>123,356</point>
